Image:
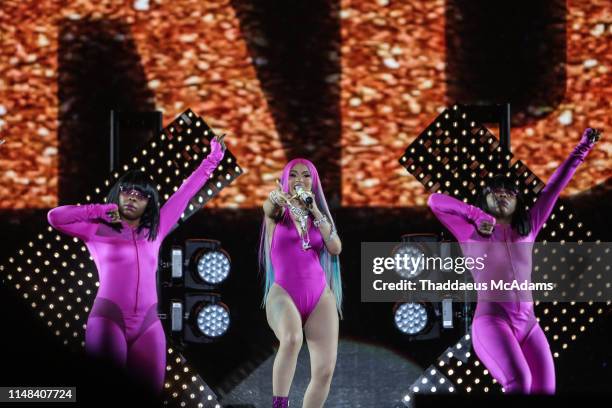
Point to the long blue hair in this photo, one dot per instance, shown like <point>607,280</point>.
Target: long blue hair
<point>329,262</point>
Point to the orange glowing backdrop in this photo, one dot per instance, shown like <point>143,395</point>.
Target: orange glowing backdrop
<point>390,72</point>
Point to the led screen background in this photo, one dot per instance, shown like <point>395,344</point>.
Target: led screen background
<point>366,79</point>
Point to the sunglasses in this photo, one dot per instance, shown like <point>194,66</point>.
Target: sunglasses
<point>501,190</point>
<point>133,192</point>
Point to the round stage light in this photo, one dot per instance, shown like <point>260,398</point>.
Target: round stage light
<point>413,255</point>
<point>213,267</point>
<point>213,320</point>
<point>411,318</point>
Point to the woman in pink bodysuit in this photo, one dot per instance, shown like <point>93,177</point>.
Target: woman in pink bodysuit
<point>123,237</point>
<point>299,250</point>
<point>505,334</point>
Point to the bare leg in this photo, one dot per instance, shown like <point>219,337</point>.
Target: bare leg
<point>284,319</point>
<point>321,331</point>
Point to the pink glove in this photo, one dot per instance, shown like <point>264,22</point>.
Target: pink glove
<point>477,216</point>
<point>589,136</point>
<point>216,150</point>
<point>484,217</point>
<point>587,141</point>
<point>101,211</point>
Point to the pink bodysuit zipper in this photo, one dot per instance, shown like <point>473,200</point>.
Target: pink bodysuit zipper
<point>137,269</point>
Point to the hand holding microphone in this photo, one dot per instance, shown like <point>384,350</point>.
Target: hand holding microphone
<point>303,195</point>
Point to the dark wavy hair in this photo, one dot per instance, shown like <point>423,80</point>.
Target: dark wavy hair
<point>520,217</point>
<point>138,180</point>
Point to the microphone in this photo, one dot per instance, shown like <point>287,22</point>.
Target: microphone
<point>303,195</point>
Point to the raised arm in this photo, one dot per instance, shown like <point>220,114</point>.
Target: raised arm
<point>173,208</point>
<point>80,221</point>
<point>547,198</point>
<point>460,218</point>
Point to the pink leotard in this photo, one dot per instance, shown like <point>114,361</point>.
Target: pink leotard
<point>123,325</point>
<point>298,271</point>
<point>505,334</point>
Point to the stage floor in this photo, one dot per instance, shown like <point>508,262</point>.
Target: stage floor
<point>365,376</point>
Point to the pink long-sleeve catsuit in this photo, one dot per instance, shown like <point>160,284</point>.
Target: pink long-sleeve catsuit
<point>506,335</point>
<point>123,325</point>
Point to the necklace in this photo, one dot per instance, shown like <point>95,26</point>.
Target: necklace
<point>302,217</point>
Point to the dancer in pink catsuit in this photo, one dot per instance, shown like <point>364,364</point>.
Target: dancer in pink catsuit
<point>505,334</point>
<point>123,238</point>
<point>303,292</point>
